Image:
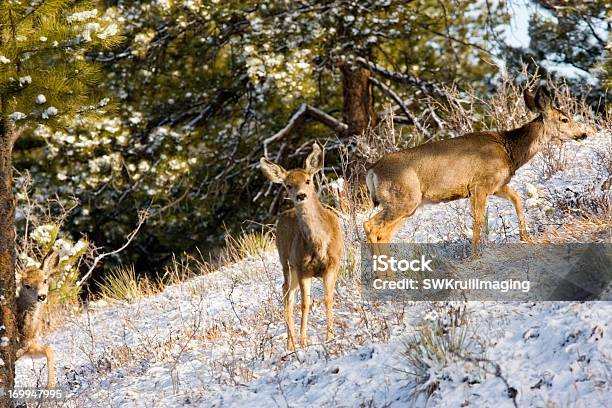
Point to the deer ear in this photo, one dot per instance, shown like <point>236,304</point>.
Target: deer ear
<point>314,161</point>
<point>273,172</point>
<point>50,262</point>
<point>529,100</point>
<point>543,98</point>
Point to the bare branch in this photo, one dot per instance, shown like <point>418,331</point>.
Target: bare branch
<point>425,86</point>
<point>454,39</point>
<point>402,120</point>
<point>222,97</point>
<point>16,134</point>
<point>142,217</point>
<point>393,95</point>
<point>298,118</point>
<point>385,73</point>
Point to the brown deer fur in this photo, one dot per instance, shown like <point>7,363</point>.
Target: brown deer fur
<point>309,242</point>
<point>475,165</point>
<point>33,292</point>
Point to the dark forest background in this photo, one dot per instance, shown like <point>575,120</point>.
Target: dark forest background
<point>203,89</point>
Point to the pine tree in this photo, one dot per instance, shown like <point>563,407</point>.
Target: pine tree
<point>46,81</point>
<point>202,84</point>
<point>568,41</point>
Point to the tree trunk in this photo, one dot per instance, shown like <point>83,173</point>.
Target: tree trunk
<point>358,111</point>
<point>358,114</point>
<point>8,332</point>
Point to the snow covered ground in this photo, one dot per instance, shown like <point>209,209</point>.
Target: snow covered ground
<point>219,340</point>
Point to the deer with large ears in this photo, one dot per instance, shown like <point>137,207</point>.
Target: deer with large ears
<point>33,293</point>
<point>309,242</point>
<point>475,166</point>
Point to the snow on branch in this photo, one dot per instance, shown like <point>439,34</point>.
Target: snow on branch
<point>297,119</point>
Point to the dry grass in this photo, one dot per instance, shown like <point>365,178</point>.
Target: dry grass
<point>125,283</point>
<point>246,245</point>
<point>384,138</point>
<point>350,266</point>
<point>554,159</point>
<point>589,228</point>
<point>463,111</point>
<point>122,283</point>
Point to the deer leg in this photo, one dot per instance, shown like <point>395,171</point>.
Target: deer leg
<point>39,350</point>
<point>509,194</point>
<point>391,220</point>
<point>289,287</point>
<point>391,227</point>
<point>371,227</point>
<point>329,284</point>
<point>382,227</point>
<point>374,234</point>
<point>51,381</point>
<point>305,284</point>
<point>478,201</point>
<point>21,352</point>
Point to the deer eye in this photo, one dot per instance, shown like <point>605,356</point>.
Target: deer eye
<point>564,120</point>
<point>27,286</point>
<point>45,281</point>
<point>308,181</point>
<point>289,187</point>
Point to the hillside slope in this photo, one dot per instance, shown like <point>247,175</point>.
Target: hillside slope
<point>219,340</point>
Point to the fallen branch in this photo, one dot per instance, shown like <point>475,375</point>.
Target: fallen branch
<point>142,217</point>
<point>297,119</point>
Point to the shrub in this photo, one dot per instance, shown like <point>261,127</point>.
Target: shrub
<point>443,339</point>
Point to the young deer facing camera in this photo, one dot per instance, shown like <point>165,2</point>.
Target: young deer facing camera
<point>309,241</point>
<point>475,165</point>
<point>33,287</point>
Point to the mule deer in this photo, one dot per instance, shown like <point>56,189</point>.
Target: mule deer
<point>33,293</point>
<point>309,242</point>
<point>474,165</point>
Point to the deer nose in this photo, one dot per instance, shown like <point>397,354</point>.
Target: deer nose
<point>42,298</point>
<point>301,196</point>
<point>582,136</point>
